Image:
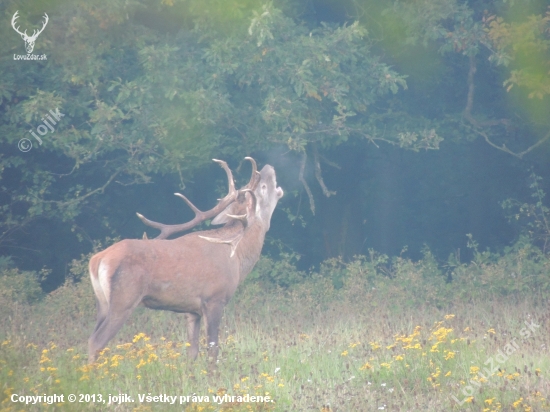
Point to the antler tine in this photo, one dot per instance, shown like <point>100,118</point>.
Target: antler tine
<point>14,18</point>
<point>191,205</point>
<point>200,216</point>
<point>254,178</point>
<point>230,181</point>
<point>46,19</point>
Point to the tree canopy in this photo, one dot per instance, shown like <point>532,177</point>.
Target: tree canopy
<point>344,98</point>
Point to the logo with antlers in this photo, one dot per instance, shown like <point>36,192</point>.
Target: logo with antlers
<point>29,40</point>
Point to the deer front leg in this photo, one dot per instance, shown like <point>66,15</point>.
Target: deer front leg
<point>213,319</point>
<point>193,330</point>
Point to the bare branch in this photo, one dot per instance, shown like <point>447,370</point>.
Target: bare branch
<point>318,173</point>
<point>478,126</point>
<point>100,189</point>
<point>470,99</point>
<point>506,150</point>
<point>301,178</point>
<point>329,162</point>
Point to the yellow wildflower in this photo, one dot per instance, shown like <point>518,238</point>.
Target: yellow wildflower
<point>125,346</point>
<point>517,403</point>
<point>449,355</point>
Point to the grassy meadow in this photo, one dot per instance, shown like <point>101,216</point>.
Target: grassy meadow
<point>369,335</point>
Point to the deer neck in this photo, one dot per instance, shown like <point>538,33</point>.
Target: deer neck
<point>249,249</point>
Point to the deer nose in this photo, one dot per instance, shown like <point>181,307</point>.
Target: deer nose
<point>280,192</point>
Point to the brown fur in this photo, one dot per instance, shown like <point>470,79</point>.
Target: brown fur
<point>190,274</point>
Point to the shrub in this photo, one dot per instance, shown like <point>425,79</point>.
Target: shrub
<point>281,272</point>
<point>20,286</point>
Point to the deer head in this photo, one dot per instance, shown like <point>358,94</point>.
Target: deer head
<point>29,40</point>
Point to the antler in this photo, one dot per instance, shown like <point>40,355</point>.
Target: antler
<point>15,17</point>
<point>200,216</point>
<point>254,179</point>
<point>46,19</point>
<point>34,33</point>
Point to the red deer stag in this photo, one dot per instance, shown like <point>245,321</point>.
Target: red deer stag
<point>196,274</point>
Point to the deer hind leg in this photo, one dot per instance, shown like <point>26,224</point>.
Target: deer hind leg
<point>106,331</point>
<point>98,271</point>
<point>193,331</point>
<point>112,313</point>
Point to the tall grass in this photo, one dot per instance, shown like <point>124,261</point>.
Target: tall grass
<point>373,334</point>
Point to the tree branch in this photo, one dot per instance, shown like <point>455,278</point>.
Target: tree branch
<point>318,173</point>
<point>478,126</point>
<point>93,192</point>
<point>301,178</point>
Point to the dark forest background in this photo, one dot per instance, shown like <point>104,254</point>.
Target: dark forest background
<point>391,125</point>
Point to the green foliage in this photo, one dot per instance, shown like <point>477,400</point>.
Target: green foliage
<point>404,281</point>
<point>17,286</point>
<point>280,272</point>
<point>142,100</point>
<point>72,300</point>
<point>335,270</point>
<point>533,217</point>
<point>448,22</point>
<point>152,90</point>
<point>525,47</point>
<point>78,268</point>
<point>520,270</point>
